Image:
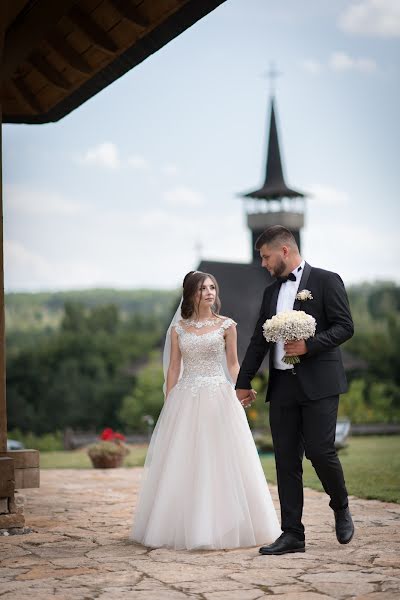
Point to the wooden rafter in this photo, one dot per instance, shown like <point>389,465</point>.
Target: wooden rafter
<point>94,33</point>
<point>51,74</point>
<point>133,14</point>
<point>26,34</point>
<point>84,46</point>
<point>25,95</point>
<point>68,53</point>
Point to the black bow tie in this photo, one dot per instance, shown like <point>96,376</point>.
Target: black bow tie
<point>290,277</point>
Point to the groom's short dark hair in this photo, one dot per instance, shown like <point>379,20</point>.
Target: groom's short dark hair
<point>276,234</point>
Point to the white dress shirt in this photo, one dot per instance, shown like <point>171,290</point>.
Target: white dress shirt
<point>286,298</point>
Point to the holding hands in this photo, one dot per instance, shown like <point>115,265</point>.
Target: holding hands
<point>246,397</point>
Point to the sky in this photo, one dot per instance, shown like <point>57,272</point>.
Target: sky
<point>142,180</point>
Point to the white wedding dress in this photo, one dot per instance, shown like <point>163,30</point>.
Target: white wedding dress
<point>204,486</point>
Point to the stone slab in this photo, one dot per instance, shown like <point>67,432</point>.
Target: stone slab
<point>79,548</point>
<point>12,520</point>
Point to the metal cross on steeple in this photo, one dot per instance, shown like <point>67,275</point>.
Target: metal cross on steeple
<point>272,74</point>
<point>274,187</point>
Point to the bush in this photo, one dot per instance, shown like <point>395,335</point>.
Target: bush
<point>48,442</point>
<point>371,402</point>
<point>263,443</point>
<point>147,398</point>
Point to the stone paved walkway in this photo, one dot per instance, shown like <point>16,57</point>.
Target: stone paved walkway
<point>80,550</point>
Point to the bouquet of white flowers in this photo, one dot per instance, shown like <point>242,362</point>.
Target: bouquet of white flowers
<point>288,326</point>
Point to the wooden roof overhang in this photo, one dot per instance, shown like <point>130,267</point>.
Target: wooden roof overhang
<point>59,53</point>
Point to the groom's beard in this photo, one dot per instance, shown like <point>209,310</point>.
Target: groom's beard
<point>279,269</point>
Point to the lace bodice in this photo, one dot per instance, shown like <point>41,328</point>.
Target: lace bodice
<point>203,355</point>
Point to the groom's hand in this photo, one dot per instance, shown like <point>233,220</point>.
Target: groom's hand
<point>295,348</point>
<point>246,397</point>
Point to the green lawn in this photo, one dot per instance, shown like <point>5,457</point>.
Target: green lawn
<point>371,466</point>
<point>78,459</point>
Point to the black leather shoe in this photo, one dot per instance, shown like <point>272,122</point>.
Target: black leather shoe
<point>344,526</point>
<point>285,544</point>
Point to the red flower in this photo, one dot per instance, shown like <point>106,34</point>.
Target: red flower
<point>109,435</point>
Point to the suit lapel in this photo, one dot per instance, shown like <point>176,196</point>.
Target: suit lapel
<point>302,284</point>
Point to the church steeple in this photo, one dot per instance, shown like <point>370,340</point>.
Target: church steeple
<point>275,203</point>
<point>274,185</point>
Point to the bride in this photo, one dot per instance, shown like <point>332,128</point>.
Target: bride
<point>203,486</point>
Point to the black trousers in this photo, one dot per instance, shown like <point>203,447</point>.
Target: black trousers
<point>300,425</point>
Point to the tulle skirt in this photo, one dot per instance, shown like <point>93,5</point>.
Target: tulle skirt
<point>203,485</point>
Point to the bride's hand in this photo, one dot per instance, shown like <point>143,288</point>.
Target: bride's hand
<point>246,397</point>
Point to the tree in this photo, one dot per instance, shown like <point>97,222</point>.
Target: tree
<point>146,398</point>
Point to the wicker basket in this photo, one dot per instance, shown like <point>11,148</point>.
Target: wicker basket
<point>107,462</point>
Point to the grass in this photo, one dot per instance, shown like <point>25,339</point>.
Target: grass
<point>371,466</point>
<point>78,459</point>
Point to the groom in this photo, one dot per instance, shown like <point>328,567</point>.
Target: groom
<point>303,398</point>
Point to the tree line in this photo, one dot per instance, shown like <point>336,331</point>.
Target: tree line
<point>88,363</point>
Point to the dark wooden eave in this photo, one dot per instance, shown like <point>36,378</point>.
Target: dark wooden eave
<point>274,186</point>
<point>59,53</point>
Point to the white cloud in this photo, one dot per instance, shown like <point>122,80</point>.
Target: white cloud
<point>154,245</point>
<point>336,242</point>
<point>311,66</point>
<point>138,162</point>
<point>337,236</point>
<point>18,258</point>
<point>184,196</point>
<point>145,246</point>
<point>102,155</point>
<point>28,200</point>
<point>158,218</point>
<point>171,170</point>
<point>327,195</point>
<point>372,17</point>
<point>340,61</point>
<point>26,269</point>
<point>107,155</point>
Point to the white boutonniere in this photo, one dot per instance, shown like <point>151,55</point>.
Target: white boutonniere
<point>304,295</point>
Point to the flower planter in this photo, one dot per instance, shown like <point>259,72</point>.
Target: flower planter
<point>109,452</point>
<point>107,462</point>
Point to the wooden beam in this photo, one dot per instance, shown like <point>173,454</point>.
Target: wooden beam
<point>24,93</point>
<point>49,72</point>
<point>7,479</point>
<point>26,34</point>
<point>68,53</point>
<point>93,32</point>
<point>26,467</point>
<point>129,12</point>
<point>3,406</point>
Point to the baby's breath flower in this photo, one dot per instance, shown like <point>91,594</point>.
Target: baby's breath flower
<point>304,295</point>
<point>288,326</point>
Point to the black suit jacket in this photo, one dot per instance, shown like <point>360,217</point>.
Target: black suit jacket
<point>320,371</point>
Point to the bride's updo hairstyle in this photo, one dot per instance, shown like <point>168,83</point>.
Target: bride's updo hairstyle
<point>192,283</point>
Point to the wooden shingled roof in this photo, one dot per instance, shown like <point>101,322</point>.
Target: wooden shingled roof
<point>59,53</point>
